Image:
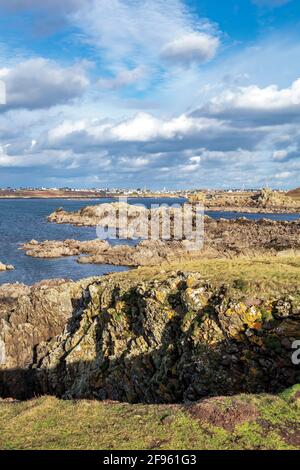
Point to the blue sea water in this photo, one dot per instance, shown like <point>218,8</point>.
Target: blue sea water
<point>22,220</point>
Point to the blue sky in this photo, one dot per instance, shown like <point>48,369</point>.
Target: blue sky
<point>156,93</point>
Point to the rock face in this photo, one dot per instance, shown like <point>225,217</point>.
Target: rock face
<point>29,315</point>
<point>6,267</point>
<point>173,340</point>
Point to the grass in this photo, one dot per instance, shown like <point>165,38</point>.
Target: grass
<point>263,275</point>
<point>49,423</point>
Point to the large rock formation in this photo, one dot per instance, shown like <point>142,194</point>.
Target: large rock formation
<point>171,340</point>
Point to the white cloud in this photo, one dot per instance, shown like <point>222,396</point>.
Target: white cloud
<point>280,155</point>
<point>123,78</point>
<point>283,175</point>
<point>143,127</point>
<point>41,83</point>
<point>191,48</point>
<point>134,162</point>
<point>137,31</point>
<point>253,102</point>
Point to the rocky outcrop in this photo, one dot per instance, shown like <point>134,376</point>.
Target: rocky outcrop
<point>105,215</point>
<point>6,267</point>
<point>146,253</point>
<point>262,201</point>
<point>267,198</point>
<point>162,341</point>
<point>58,249</point>
<point>28,316</point>
<point>241,235</point>
<point>221,237</point>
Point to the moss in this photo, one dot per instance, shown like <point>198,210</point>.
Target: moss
<point>254,436</point>
<point>277,411</point>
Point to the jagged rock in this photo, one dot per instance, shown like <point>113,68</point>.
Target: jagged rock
<point>171,340</point>
<point>28,316</point>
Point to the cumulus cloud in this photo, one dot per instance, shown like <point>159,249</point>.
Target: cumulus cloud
<point>191,48</point>
<point>172,149</point>
<point>41,83</point>
<point>144,128</point>
<point>269,104</point>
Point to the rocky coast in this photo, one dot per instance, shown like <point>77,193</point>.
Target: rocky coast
<point>220,237</point>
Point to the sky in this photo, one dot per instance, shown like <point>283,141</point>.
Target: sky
<point>150,93</point>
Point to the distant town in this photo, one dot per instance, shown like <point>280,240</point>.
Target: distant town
<point>66,192</point>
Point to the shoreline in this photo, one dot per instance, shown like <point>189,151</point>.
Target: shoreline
<point>95,197</point>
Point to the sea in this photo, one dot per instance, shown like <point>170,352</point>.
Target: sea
<point>22,220</point>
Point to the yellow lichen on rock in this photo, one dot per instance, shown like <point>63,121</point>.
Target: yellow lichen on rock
<point>161,296</point>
